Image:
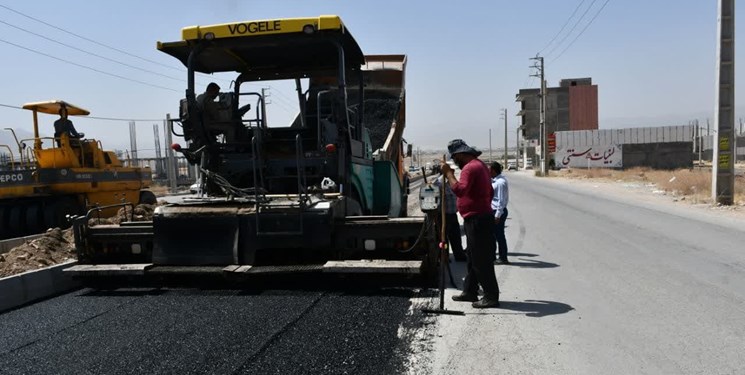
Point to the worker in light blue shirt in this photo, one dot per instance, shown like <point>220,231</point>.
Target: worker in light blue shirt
<point>452,226</point>
<point>499,208</point>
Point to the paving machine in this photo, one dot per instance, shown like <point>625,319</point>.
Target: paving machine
<point>326,194</point>
<point>41,185</point>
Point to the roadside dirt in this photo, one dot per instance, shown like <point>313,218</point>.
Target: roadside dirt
<point>57,245</point>
<point>143,212</point>
<point>663,189</point>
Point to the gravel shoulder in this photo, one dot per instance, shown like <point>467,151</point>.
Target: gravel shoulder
<point>649,196</point>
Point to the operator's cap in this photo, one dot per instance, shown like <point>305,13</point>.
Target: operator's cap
<point>458,146</point>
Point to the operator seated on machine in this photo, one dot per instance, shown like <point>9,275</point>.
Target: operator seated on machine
<point>64,126</point>
<point>217,114</point>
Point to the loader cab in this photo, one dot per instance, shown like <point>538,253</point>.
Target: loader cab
<point>63,151</point>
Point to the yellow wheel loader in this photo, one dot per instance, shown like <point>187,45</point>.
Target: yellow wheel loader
<point>45,179</point>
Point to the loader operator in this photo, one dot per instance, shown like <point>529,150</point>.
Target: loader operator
<point>64,125</point>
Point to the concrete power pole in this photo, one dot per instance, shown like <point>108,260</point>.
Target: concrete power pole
<point>158,154</point>
<point>734,148</point>
<point>264,96</point>
<point>517,148</point>
<point>544,139</point>
<point>504,117</point>
<point>505,138</point>
<point>723,163</point>
<point>171,165</point>
<point>542,75</point>
<point>490,157</point>
<point>700,141</point>
<point>133,143</point>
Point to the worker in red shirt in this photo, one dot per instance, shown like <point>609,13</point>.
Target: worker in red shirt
<point>474,192</point>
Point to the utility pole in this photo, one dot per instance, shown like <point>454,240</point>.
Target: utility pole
<point>490,157</point>
<point>504,117</point>
<point>737,134</point>
<point>171,163</point>
<point>690,123</point>
<point>544,135</point>
<point>264,96</point>
<point>517,148</point>
<point>505,138</point>
<point>540,67</point>
<point>158,154</point>
<point>133,142</point>
<point>723,166</point>
<point>700,141</point>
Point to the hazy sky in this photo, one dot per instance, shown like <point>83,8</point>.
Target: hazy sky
<point>654,60</point>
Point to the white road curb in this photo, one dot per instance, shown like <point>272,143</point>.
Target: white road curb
<point>18,290</point>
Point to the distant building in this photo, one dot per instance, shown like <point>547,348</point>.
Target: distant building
<point>571,106</point>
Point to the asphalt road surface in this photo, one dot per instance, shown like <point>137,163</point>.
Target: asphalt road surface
<point>184,331</point>
<point>604,283</point>
<point>288,327</point>
<point>599,283</point>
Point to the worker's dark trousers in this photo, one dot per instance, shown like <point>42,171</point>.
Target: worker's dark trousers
<point>499,235</point>
<point>480,247</point>
<point>454,236</point>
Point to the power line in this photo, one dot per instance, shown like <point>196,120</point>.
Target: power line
<point>563,27</point>
<point>285,102</point>
<point>211,77</point>
<point>579,20</point>
<point>527,81</point>
<point>122,119</point>
<point>104,45</point>
<point>583,31</point>
<point>94,117</point>
<point>90,53</point>
<point>88,67</point>
<point>88,39</point>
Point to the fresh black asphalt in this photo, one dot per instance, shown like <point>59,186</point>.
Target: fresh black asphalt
<point>192,331</point>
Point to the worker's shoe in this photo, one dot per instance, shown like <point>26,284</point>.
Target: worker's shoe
<point>502,261</point>
<point>464,297</point>
<point>486,302</point>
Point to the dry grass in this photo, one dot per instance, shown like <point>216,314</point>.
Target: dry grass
<point>694,184</point>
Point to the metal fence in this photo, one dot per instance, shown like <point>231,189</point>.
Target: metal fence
<point>184,173</point>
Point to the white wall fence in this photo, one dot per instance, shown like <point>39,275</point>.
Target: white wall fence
<point>660,134</point>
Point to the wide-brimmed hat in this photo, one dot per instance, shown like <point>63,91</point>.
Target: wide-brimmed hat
<point>458,146</point>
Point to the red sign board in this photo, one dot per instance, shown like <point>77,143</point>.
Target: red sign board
<point>552,142</point>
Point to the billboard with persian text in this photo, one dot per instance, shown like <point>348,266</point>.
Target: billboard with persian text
<point>596,156</point>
